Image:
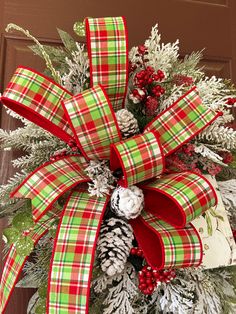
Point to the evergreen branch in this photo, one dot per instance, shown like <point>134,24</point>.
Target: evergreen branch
<point>219,134</point>
<point>47,59</point>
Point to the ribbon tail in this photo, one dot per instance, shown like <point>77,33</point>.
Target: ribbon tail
<point>73,253</point>
<point>15,262</point>
<point>48,182</point>
<point>165,246</point>
<point>182,121</point>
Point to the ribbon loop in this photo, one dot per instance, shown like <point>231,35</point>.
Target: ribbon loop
<point>182,197</point>
<point>181,121</point>
<point>93,122</point>
<point>48,182</point>
<point>74,253</point>
<point>38,99</point>
<point>108,53</point>
<point>140,158</point>
<point>164,246</point>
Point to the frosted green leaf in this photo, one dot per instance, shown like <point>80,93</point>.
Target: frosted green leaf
<point>42,291</point>
<point>24,246</point>
<point>67,40</point>
<point>23,221</point>
<point>11,235</point>
<point>41,307</point>
<point>79,28</point>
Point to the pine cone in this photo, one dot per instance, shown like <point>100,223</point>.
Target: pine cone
<point>127,123</point>
<point>114,244</point>
<point>127,202</point>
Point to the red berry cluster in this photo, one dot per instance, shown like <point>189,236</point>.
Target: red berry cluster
<point>158,90</point>
<point>148,76</point>
<point>149,278</point>
<point>231,101</point>
<point>136,251</point>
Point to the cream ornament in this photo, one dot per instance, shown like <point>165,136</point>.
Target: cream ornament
<point>127,202</point>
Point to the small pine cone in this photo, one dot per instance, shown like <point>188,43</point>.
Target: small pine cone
<point>127,123</point>
<point>127,202</point>
<point>114,244</point>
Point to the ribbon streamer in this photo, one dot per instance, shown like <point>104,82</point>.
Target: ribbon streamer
<point>74,253</point>
<point>14,262</point>
<point>88,119</point>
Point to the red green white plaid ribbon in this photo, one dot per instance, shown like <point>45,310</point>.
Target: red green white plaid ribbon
<point>181,121</point>
<point>182,197</point>
<point>38,99</point>
<point>89,119</point>
<point>15,262</point>
<point>71,264</point>
<point>165,246</point>
<point>93,121</point>
<point>48,182</point>
<point>140,158</point>
<point>108,53</point>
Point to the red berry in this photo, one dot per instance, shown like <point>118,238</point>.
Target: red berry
<point>141,274</point>
<point>150,288</point>
<point>133,251</point>
<point>145,269</point>
<point>162,90</point>
<point>149,281</point>
<point>142,280</point>
<point>148,274</point>
<point>139,252</point>
<point>143,286</point>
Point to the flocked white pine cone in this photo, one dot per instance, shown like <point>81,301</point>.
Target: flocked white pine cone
<point>127,123</point>
<point>127,202</point>
<point>114,244</point>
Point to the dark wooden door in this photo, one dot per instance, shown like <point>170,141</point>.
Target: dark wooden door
<point>199,24</point>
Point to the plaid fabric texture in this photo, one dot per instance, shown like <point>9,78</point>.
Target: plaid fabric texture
<point>108,51</point>
<point>181,121</point>
<point>140,158</point>
<point>191,193</point>
<point>182,247</point>
<point>73,256</point>
<point>15,262</point>
<point>51,180</point>
<point>93,121</point>
<point>38,99</point>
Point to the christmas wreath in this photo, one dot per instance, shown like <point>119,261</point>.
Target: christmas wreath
<point>116,202</point>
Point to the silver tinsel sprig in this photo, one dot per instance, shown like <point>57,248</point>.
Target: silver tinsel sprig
<point>101,176</point>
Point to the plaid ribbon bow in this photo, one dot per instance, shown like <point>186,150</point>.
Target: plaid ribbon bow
<point>88,119</point>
